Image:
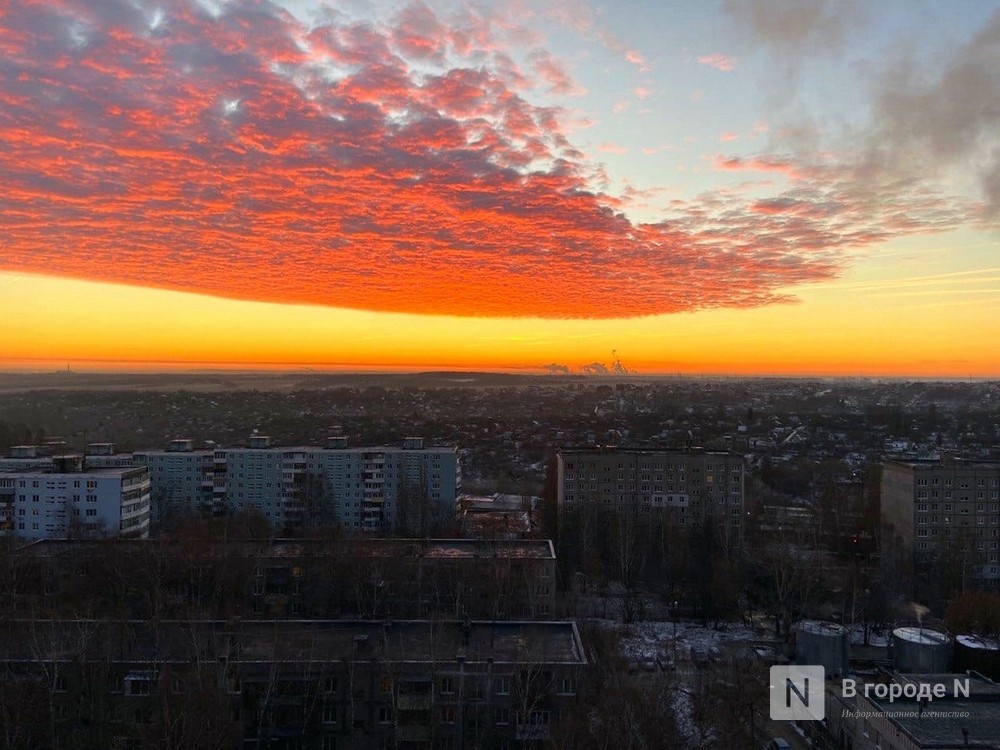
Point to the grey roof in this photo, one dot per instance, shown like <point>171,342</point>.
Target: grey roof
<point>941,723</point>
<point>290,641</point>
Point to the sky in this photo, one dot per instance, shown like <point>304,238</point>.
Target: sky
<point>742,187</point>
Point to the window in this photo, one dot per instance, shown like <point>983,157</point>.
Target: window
<point>330,714</point>
<point>139,683</point>
<point>447,714</point>
<point>330,684</point>
<point>503,685</point>
<point>503,716</point>
<point>447,685</point>
<point>567,686</point>
<point>539,718</point>
<point>386,684</point>
<point>385,714</point>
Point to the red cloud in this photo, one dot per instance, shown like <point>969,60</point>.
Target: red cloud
<point>241,154</point>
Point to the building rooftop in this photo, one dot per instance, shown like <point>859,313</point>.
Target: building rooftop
<point>693,450</point>
<point>941,723</point>
<point>73,470</point>
<point>943,462</point>
<point>497,502</point>
<point>540,549</point>
<point>290,641</point>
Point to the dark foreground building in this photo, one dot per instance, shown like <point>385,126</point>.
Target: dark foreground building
<point>327,685</point>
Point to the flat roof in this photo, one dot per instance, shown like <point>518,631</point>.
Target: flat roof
<point>291,641</point>
<point>611,449</point>
<point>541,549</point>
<point>324,449</point>
<point>940,726</point>
<point>431,548</point>
<point>949,463</point>
<point>51,471</point>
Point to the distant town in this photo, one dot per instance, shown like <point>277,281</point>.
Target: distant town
<point>473,560</point>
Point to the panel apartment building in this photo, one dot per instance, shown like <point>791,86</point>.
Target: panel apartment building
<point>381,488</point>
<point>945,504</point>
<point>63,498</point>
<point>681,485</point>
<point>366,685</point>
<point>368,488</point>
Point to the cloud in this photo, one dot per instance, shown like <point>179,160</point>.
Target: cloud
<point>718,61</point>
<point>758,164</point>
<point>388,165</point>
<point>552,71</point>
<point>612,148</point>
<point>642,92</point>
<point>636,58</point>
<point>790,27</point>
<point>944,119</point>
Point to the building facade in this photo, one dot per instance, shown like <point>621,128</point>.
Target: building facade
<point>947,507</point>
<point>681,486</point>
<point>407,488</point>
<point>412,685</point>
<point>68,500</point>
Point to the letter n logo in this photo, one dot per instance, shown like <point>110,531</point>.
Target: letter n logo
<point>797,693</point>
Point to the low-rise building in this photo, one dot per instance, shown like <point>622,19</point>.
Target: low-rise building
<point>952,721</point>
<point>400,578</point>
<point>324,684</point>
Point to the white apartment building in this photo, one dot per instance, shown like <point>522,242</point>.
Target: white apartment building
<point>183,479</point>
<point>67,500</point>
<point>370,488</point>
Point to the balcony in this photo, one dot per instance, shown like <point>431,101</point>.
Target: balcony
<point>414,702</point>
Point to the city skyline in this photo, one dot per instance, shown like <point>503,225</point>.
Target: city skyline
<point>758,188</point>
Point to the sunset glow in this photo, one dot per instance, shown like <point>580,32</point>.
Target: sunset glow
<point>502,186</point>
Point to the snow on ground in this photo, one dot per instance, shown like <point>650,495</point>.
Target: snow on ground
<point>874,639</point>
<point>683,716</point>
<point>644,642</point>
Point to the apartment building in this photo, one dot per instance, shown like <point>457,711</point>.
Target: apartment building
<point>366,488</point>
<point>681,485</point>
<point>366,685</point>
<point>946,505</point>
<point>382,488</point>
<point>447,578</point>
<point>66,499</point>
<point>295,578</point>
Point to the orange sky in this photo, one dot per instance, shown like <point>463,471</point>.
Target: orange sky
<point>451,187</point>
<point>873,322</point>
